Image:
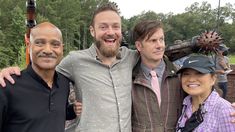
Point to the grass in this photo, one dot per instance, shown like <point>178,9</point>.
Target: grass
<point>232,59</point>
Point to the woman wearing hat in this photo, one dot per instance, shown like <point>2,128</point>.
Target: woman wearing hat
<point>203,109</point>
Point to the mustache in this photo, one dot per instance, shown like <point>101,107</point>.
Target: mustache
<point>109,37</point>
<point>46,56</point>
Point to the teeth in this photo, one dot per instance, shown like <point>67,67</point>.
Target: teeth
<point>193,85</point>
<point>110,40</point>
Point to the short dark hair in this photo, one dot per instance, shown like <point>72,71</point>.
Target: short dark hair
<point>110,6</point>
<point>145,28</point>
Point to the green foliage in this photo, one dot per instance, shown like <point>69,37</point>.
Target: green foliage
<point>196,19</point>
<point>22,59</point>
<point>232,59</point>
<point>11,33</point>
<point>73,17</point>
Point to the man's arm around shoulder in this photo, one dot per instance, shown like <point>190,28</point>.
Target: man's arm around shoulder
<point>6,73</point>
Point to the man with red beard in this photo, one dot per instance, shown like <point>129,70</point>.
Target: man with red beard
<point>103,74</point>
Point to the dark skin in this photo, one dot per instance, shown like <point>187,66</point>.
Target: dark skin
<point>46,51</point>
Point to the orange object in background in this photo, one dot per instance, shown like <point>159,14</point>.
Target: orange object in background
<point>30,23</point>
<point>27,58</point>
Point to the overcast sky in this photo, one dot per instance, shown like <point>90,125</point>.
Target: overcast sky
<point>130,8</point>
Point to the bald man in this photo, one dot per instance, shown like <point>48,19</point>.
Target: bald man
<point>37,102</point>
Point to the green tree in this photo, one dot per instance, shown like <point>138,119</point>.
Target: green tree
<point>73,17</point>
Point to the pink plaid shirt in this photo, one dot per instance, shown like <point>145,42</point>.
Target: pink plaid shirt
<point>216,118</point>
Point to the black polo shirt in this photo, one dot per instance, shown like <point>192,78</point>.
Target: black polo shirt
<point>31,106</point>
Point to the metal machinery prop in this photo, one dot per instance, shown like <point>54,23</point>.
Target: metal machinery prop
<point>207,43</point>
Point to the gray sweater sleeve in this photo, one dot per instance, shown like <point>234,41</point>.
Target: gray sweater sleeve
<point>66,66</point>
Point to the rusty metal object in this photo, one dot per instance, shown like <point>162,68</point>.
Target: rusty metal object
<point>207,43</point>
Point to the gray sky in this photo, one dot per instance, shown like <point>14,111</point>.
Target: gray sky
<point>130,8</point>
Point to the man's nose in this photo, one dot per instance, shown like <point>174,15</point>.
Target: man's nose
<point>110,30</point>
<point>47,48</point>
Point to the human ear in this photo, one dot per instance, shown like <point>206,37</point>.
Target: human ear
<point>92,31</point>
<point>138,45</point>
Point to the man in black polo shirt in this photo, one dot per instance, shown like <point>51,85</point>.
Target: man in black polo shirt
<point>37,102</point>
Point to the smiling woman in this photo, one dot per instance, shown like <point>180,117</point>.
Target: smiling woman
<point>203,106</point>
